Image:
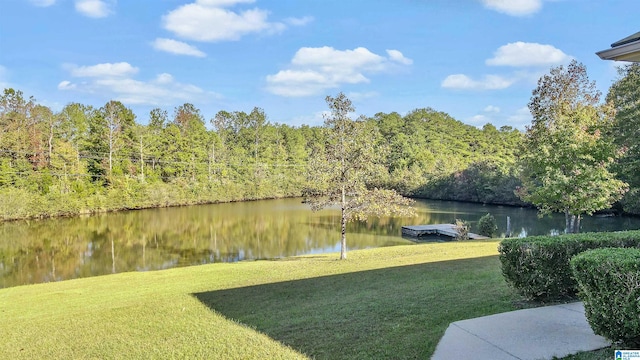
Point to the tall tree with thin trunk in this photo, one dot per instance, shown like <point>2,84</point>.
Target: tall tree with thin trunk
<point>341,170</point>
<point>192,140</point>
<point>624,94</point>
<point>74,127</point>
<point>566,156</point>
<point>41,123</point>
<point>15,114</point>
<point>158,119</point>
<point>118,120</point>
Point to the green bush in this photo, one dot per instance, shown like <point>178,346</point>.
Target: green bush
<point>538,267</point>
<point>18,204</point>
<point>609,282</point>
<point>487,225</point>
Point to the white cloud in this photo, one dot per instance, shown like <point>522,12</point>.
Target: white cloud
<point>211,20</point>
<point>164,78</point>
<point>298,21</point>
<point>397,56</point>
<point>94,8</point>
<point>120,69</point>
<point>488,82</point>
<point>177,47</point>
<point>223,3</point>
<point>514,7</point>
<point>531,56</point>
<point>478,119</point>
<point>520,118</point>
<point>293,83</point>
<point>42,3</point>
<point>527,54</point>
<point>337,61</point>
<point>314,70</point>
<point>458,81</point>
<point>66,85</point>
<point>115,81</point>
<point>481,119</point>
<point>154,92</point>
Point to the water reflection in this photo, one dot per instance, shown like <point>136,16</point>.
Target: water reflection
<point>59,249</point>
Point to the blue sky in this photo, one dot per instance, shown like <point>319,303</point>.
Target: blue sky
<point>477,60</point>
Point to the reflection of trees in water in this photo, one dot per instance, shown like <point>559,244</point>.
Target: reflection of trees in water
<point>58,249</point>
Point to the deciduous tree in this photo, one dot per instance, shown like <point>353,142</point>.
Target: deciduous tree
<point>624,94</point>
<point>340,172</point>
<point>566,158</point>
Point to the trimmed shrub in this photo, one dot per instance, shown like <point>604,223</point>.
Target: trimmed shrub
<point>609,282</point>
<point>538,267</point>
<point>487,225</point>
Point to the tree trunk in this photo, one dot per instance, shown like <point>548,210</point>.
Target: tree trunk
<point>77,149</point>
<point>65,189</point>
<point>343,223</point>
<point>111,126</point>
<point>572,223</point>
<point>110,154</point>
<point>193,168</point>
<point>212,159</point>
<point>50,146</point>
<point>141,160</point>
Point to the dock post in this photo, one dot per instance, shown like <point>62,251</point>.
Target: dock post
<point>508,234</point>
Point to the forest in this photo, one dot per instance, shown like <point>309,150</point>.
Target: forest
<point>84,159</point>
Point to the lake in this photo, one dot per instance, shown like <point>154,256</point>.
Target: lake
<point>60,249</point>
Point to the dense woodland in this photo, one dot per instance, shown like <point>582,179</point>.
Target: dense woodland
<point>84,159</point>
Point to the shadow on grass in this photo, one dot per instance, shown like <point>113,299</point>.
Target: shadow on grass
<point>399,312</point>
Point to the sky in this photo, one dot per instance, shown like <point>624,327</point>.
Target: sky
<point>477,60</point>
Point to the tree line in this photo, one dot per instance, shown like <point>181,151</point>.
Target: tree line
<point>84,159</point>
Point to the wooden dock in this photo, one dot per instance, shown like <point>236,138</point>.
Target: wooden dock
<point>436,230</point>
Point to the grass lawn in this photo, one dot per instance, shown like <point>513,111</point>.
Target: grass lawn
<point>393,302</point>
<point>606,353</point>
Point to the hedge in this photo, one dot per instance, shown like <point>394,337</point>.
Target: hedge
<point>538,267</point>
<point>609,282</point>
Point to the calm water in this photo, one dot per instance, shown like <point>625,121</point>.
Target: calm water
<point>60,249</point>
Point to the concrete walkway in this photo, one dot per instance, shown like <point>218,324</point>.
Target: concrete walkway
<point>529,334</point>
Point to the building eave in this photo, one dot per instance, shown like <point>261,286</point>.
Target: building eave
<point>626,52</point>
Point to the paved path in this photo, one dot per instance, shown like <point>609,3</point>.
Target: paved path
<point>529,334</point>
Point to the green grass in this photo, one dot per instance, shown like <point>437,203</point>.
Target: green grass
<point>606,353</point>
<point>393,302</point>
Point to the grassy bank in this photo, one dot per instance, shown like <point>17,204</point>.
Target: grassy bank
<point>393,302</point>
